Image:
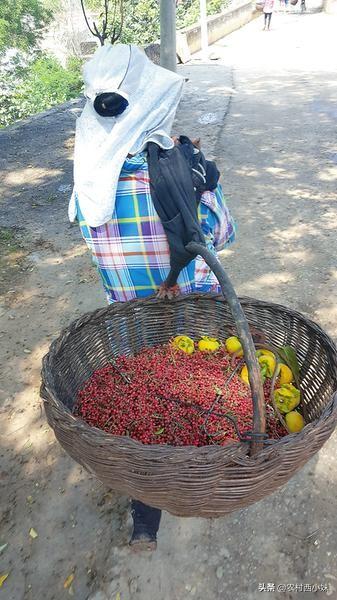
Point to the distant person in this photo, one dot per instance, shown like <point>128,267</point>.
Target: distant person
<point>268,11</point>
<point>303,6</point>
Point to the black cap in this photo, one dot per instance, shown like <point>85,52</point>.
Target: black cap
<point>110,104</point>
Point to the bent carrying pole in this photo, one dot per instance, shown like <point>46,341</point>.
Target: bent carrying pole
<point>255,380</point>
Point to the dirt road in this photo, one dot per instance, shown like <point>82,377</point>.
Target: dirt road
<point>267,111</point>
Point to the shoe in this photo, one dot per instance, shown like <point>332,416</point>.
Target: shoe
<point>143,542</point>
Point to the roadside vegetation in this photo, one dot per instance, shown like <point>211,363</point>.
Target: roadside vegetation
<point>32,81</point>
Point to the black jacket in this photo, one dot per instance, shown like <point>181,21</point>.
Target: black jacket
<point>178,178</point>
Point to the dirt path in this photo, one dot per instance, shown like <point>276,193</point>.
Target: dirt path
<point>277,152</point>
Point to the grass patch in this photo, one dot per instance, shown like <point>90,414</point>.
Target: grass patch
<point>9,241</point>
<point>12,257</point>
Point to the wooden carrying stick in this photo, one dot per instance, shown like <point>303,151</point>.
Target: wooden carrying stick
<point>255,379</point>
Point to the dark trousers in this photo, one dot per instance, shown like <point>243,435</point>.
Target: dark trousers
<point>145,519</point>
<point>267,19</point>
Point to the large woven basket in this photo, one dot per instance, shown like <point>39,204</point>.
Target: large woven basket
<point>210,481</point>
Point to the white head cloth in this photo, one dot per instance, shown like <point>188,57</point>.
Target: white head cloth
<point>103,143</point>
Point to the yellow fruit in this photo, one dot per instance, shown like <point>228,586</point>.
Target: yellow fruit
<point>184,343</point>
<point>286,374</point>
<point>233,345</point>
<point>208,344</point>
<point>244,374</point>
<point>287,397</point>
<point>268,364</point>
<point>295,421</point>
<point>264,351</point>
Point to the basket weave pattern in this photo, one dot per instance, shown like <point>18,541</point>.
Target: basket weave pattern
<point>187,481</point>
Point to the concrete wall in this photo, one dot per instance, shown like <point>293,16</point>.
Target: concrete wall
<point>238,14</point>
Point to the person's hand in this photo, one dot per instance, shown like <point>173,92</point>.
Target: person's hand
<point>168,292</point>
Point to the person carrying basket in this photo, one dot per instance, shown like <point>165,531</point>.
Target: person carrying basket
<point>123,137</point>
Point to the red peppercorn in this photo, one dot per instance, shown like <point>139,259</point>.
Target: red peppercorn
<point>168,398</point>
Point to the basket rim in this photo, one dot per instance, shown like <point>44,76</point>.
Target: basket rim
<point>107,439</point>
<point>85,319</point>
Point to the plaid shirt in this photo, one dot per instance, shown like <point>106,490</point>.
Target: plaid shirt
<point>131,250</point>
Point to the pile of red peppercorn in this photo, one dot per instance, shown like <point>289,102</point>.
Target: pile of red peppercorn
<point>165,396</point>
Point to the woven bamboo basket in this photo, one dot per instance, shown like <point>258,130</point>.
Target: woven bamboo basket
<point>210,481</point>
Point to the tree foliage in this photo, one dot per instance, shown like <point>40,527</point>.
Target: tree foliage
<point>188,11</point>
<point>141,17</point>
<point>142,23</point>
<point>32,82</point>
<point>21,23</point>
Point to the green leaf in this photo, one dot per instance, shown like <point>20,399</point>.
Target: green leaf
<point>288,355</point>
<point>159,431</point>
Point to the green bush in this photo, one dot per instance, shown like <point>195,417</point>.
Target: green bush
<point>48,83</point>
<point>38,87</point>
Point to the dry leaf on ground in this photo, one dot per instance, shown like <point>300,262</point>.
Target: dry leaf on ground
<point>3,578</point>
<point>68,581</point>
<point>33,533</point>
